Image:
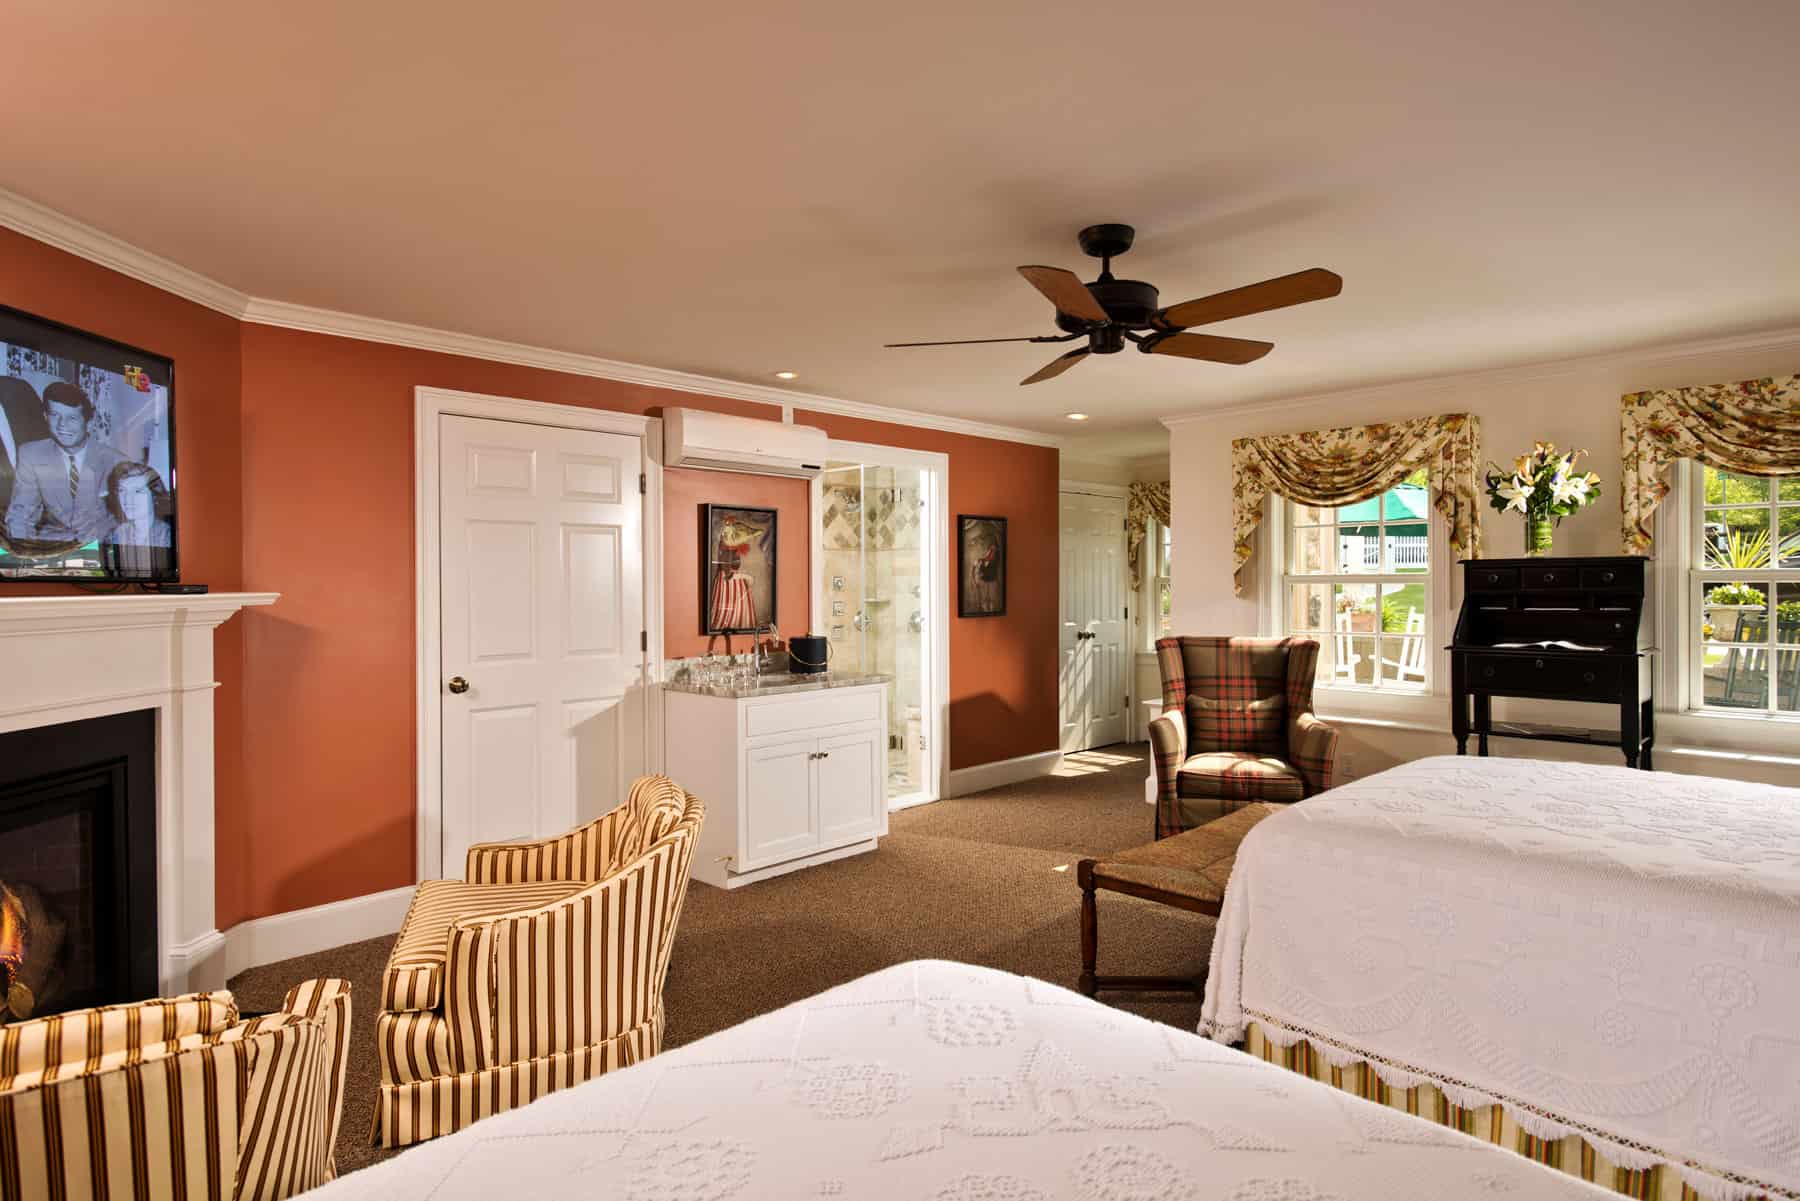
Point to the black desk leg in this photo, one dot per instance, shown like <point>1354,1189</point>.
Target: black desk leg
<point>1649,710</point>
<point>1459,705</point>
<point>1629,713</point>
<point>1484,721</point>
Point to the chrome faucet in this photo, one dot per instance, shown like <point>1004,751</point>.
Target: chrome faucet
<point>756,646</point>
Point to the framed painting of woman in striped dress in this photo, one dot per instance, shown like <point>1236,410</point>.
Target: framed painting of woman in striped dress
<point>738,570</point>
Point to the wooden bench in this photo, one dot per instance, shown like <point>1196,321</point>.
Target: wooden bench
<point>1187,871</point>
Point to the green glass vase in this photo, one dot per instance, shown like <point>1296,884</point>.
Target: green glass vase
<point>1538,531</point>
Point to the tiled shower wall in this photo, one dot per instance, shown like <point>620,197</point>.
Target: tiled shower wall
<point>871,530</point>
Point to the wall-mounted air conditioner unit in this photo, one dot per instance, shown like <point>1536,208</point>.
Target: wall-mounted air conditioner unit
<point>721,442</point>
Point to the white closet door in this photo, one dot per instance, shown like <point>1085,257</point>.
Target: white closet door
<point>1094,635</point>
<point>542,611</point>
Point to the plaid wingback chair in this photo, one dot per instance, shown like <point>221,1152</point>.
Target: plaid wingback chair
<point>1237,726</point>
<point>542,969</point>
<point>174,1098</point>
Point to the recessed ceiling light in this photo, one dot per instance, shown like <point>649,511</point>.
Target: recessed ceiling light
<point>1076,416</point>
<point>787,375</point>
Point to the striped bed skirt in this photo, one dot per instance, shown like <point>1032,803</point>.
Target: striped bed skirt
<point>1490,1123</point>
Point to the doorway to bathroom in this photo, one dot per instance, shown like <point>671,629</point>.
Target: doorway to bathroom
<point>883,594</point>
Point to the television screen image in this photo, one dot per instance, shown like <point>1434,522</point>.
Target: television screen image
<point>87,456</point>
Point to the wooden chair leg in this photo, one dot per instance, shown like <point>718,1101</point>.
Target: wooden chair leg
<point>1090,934</point>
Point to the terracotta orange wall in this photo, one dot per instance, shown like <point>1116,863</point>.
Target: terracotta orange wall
<point>1003,682</point>
<point>295,455</point>
<point>328,523</point>
<point>47,282</point>
<point>685,492</point>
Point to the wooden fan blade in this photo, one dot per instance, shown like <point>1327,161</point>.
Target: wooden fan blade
<point>1298,288</point>
<point>1065,290</point>
<point>1212,349</point>
<point>967,342</point>
<point>1055,367</point>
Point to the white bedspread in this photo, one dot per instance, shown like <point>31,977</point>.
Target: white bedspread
<point>939,1081</point>
<point>1606,952</point>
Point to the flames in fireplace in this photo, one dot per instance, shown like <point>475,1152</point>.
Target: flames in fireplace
<point>31,938</point>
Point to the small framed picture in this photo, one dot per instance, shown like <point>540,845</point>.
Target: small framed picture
<point>980,566</point>
<point>737,569</point>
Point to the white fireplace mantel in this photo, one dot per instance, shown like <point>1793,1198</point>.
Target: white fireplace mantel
<point>67,658</point>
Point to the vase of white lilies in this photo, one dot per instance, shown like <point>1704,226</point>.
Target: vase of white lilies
<point>1544,486</point>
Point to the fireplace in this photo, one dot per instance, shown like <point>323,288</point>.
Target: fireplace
<point>78,864</point>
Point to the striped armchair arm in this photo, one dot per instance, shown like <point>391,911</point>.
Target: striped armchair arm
<point>328,1003</point>
<point>1168,743</point>
<point>1312,748</point>
<point>63,1045</point>
<point>584,853</point>
<point>583,970</point>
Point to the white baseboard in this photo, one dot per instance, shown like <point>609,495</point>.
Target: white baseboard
<point>984,776</point>
<point>301,932</point>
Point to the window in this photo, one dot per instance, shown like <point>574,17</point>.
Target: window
<point>1357,580</point>
<point>1153,598</point>
<point>1746,590</point>
<point>1162,545</point>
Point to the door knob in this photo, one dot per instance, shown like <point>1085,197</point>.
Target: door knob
<point>458,685</point>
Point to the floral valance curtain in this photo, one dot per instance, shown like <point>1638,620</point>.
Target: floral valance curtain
<point>1343,466</point>
<point>1142,502</point>
<point>1752,426</point>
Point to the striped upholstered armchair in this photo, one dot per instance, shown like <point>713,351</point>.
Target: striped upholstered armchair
<point>1237,726</point>
<point>174,1098</point>
<point>541,969</point>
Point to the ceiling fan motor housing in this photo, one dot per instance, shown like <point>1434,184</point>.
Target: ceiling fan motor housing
<point>1131,303</point>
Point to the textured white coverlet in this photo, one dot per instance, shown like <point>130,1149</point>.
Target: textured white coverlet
<point>1605,952</point>
<point>937,1081</point>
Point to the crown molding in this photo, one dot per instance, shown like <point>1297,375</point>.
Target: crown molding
<point>46,225</point>
<point>52,228</point>
<point>419,337</point>
<point>1648,355</point>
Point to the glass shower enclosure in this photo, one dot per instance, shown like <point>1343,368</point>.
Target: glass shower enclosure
<point>875,546</point>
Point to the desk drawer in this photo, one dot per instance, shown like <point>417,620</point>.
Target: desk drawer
<point>1627,578</point>
<point>1492,579</point>
<point>1564,676</point>
<point>1555,575</point>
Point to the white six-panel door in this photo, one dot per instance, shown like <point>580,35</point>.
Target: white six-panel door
<point>542,613</point>
<point>1095,658</point>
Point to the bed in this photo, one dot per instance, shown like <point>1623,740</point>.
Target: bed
<point>1596,965</point>
<point>935,1081</point>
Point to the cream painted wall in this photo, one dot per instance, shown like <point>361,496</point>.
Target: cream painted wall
<point>1574,404</point>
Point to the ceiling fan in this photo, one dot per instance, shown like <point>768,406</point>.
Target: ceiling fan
<point>1111,312</point>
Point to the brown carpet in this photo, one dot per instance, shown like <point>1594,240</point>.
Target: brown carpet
<point>973,879</point>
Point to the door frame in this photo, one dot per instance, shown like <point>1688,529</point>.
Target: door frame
<point>430,404</point>
<point>933,564</point>
<point>1122,491</point>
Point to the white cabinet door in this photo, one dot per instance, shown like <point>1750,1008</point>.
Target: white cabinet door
<point>541,595</point>
<point>850,792</point>
<point>780,819</point>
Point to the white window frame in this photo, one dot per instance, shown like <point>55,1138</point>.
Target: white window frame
<point>1687,502</point>
<point>1155,566</point>
<point>1416,707</point>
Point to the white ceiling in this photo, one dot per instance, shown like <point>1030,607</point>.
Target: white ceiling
<point>733,189</point>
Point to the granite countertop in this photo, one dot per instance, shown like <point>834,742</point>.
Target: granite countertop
<point>779,685</point>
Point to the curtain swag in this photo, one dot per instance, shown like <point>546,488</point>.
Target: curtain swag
<point>1142,502</point>
<point>1752,426</point>
<point>1343,466</point>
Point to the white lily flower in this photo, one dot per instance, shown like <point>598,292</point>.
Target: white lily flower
<point>1516,491</point>
<point>1569,490</point>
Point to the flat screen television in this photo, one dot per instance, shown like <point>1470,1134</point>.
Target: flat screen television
<point>87,456</point>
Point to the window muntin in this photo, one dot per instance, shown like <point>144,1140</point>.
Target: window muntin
<point>1165,547</point>
<point>1745,589</point>
<point>1357,580</point>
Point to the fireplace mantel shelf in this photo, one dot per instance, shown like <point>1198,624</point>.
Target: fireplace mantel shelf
<point>66,658</point>
<point>32,615</point>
